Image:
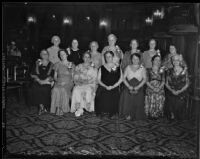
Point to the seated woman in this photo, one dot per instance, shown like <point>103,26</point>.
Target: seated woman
<point>155,94</point>
<point>85,79</point>
<point>177,83</point>
<point>167,62</point>
<point>61,92</point>
<point>109,79</point>
<point>132,97</point>
<point>40,91</point>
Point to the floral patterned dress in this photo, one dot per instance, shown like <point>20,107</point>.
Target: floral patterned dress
<point>167,62</point>
<point>176,103</point>
<point>154,101</point>
<point>83,94</point>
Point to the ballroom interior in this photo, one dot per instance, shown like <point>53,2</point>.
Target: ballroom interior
<point>31,25</point>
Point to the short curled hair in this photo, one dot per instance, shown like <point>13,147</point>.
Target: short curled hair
<point>95,42</point>
<point>134,40</point>
<point>88,53</point>
<point>55,37</point>
<point>135,54</point>
<point>153,40</point>
<point>108,52</point>
<point>112,35</point>
<point>60,52</point>
<point>153,58</point>
<point>44,50</point>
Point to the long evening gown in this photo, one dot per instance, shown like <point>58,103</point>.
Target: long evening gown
<point>61,93</point>
<point>133,104</point>
<point>107,101</point>
<point>41,94</point>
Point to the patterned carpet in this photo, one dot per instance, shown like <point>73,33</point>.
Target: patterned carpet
<point>30,134</point>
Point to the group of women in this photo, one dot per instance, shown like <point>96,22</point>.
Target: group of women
<point>134,85</point>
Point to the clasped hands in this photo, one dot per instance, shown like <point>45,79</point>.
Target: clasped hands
<point>133,90</point>
<point>109,87</point>
<point>46,81</point>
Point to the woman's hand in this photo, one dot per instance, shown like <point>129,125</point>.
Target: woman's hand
<point>130,88</point>
<point>136,88</point>
<point>157,89</point>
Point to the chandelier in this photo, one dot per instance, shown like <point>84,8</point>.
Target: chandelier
<point>149,21</point>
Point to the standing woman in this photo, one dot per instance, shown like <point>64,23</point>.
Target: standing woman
<point>61,92</point>
<point>40,91</point>
<point>109,79</point>
<point>132,97</point>
<point>127,56</point>
<point>177,83</point>
<point>118,54</point>
<point>53,50</point>
<point>155,94</point>
<point>96,57</point>
<point>75,55</point>
<point>147,55</point>
<point>85,79</point>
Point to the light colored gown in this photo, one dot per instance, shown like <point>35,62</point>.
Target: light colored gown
<point>61,93</point>
<point>84,92</point>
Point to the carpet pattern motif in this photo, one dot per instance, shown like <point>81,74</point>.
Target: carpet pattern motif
<point>30,134</point>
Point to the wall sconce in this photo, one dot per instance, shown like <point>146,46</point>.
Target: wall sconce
<point>88,18</point>
<point>103,23</point>
<point>149,21</point>
<point>31,19</point>
<point>159,14</point>
<point>67,21</point>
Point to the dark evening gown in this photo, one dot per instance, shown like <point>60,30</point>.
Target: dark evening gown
<point>132,104</point>
<point>75,57</point>
<point>107,101</point>
<point>176,104</point>
<point>41,94</point>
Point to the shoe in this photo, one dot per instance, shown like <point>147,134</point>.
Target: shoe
<point>128,117</point>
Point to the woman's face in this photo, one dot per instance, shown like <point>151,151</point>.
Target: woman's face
<point>93,47</point>
<point>109,58</point>
<point>135,60</point>
<point>44,55</point>
<point>175,60</point>
<point>86,58</point>
<point>56,41</point>
<point>74,44</point>
<point>134,44</point>
<point>172,49</point>
<point>63,55</point>
<point>111,40</point>
<point>152,44</point>
<point>157,61</point>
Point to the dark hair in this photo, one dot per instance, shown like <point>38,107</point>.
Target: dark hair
<point>108,52</point>
<point>135,54</point>
<point>87,52</point>
<point>153,58</point>
<point>60,52</point>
